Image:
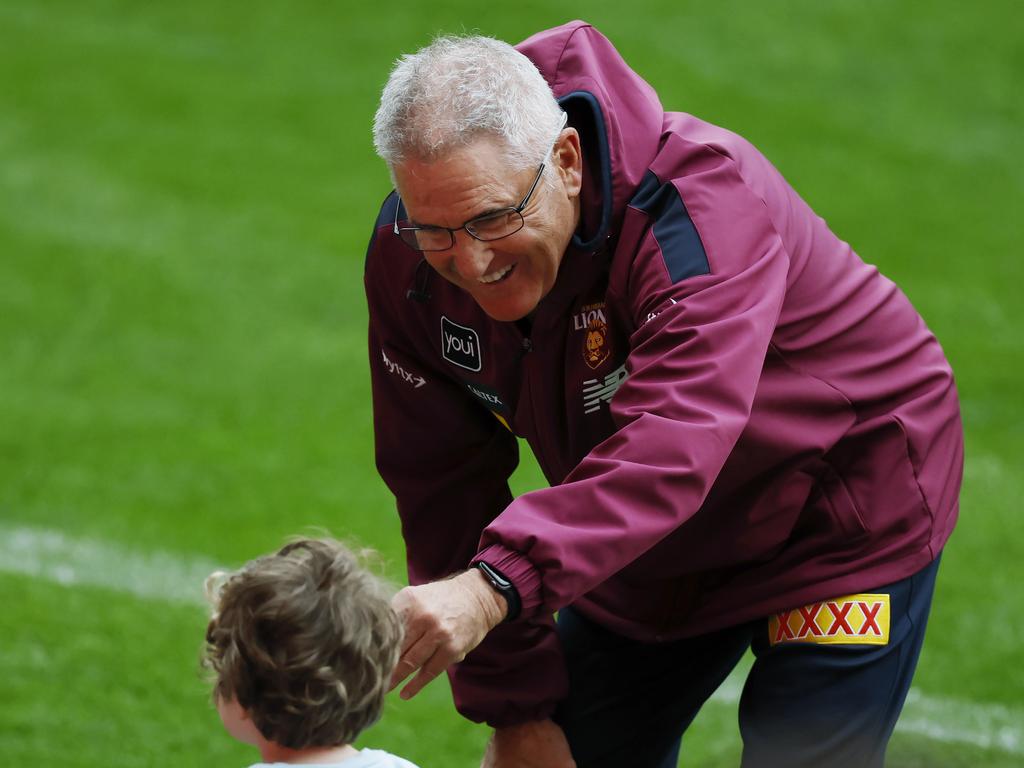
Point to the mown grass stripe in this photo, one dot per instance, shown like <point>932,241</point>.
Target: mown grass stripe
<point>946,720</point>
<point>56,557</point>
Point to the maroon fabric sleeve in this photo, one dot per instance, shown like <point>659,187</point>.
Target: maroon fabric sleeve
<point>447,460</point>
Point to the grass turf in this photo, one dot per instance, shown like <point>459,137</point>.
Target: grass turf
<point>186,192</point>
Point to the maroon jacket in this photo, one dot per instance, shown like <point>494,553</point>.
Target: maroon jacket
<point>736,414</point>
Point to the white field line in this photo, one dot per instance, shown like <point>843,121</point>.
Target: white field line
<point>53,556</point>
<point>947,720</point>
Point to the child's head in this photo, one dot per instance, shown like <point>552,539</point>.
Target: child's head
<point>304,641</point>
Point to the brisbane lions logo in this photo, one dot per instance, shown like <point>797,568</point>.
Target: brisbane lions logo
<point>596,347</point>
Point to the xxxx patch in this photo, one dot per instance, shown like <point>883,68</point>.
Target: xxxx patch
<point>852,620</point>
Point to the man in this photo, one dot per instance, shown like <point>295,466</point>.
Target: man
<point>752,439</point>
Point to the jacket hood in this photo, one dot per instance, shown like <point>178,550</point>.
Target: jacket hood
<point>617,113</point>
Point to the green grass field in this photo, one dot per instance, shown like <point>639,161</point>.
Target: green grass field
<point>186,192</point>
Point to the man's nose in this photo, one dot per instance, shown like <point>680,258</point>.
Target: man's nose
<point>470,257</point>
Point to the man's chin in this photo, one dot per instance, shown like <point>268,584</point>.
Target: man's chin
<point>505,314</point>
<point>506,309</point>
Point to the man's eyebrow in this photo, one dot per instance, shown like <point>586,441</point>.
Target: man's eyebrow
<point>421,225</point>
<point>486,212</point>
<point>492,211</point>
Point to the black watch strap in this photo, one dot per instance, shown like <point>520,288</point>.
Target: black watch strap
<point>503,586</point>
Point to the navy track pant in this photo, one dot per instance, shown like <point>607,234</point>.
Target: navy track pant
<point>804,704</point>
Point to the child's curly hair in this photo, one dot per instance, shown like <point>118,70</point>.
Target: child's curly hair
<point>306,641</point>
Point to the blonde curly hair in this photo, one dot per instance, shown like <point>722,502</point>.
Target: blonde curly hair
<point>305,640</point>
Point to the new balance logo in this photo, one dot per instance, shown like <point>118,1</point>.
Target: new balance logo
<point>597,391</point>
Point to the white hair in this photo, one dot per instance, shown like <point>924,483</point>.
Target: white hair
<point>459,89</point>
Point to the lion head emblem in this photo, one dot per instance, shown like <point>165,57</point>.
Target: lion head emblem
<point>595,349</point>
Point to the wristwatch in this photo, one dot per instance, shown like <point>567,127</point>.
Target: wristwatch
<point>503,586</point>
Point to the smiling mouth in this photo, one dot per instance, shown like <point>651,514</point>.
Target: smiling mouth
<point>498,276</point>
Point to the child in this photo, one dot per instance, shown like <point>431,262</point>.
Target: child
<point>302,644</point>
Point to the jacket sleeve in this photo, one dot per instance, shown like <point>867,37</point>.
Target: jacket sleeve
<point>447,460</point>
<point>695,360</point>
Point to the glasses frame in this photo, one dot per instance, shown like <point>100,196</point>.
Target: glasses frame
<point>468,225</point>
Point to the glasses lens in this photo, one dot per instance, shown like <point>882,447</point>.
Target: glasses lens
<point>426,238</point>
<point>496,226</point>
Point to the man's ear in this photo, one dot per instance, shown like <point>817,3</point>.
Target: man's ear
<point>567,158</point>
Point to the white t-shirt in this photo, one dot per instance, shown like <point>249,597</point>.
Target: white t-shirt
<point>367,758</point>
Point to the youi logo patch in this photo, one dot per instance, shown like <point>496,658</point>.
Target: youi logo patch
<point>460,345</point>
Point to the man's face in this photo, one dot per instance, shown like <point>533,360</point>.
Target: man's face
<point>506,277</point>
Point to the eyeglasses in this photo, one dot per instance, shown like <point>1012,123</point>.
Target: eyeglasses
<point>490,226</point>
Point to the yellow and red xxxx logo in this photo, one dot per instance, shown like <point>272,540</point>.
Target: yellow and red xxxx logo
<point>852,620</point>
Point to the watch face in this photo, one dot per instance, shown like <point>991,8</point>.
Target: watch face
<point>494,577</point>
<point>504,587</point>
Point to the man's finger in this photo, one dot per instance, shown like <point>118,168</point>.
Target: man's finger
<point>412,658</point>
<point>402,670</point>
<point>437,664</point>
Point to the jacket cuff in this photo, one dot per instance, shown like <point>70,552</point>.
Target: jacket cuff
<point>517,569</point>
<point>517,674</point>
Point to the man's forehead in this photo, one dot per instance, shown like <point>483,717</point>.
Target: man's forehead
<point>466,182</point>
<point>483,157</point>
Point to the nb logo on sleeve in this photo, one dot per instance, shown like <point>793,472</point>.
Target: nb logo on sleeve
<point>460,345</point>
<point>598,391</point>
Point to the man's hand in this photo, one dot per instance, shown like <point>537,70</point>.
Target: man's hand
<point>444,620</point>
<point>538,744</point>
